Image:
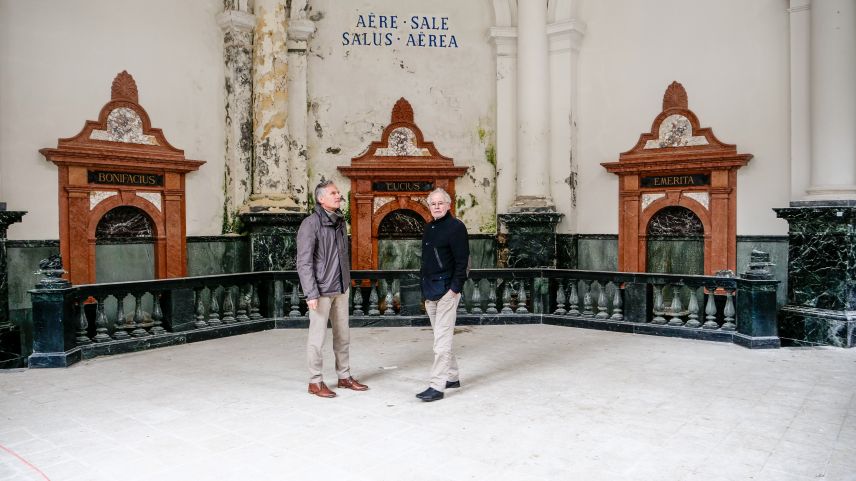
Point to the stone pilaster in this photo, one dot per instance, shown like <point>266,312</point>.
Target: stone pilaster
<point>299,31</point>
<point>533,107</point>
<point>833,100</point>
<point>505,40</point>
<point>237,25</point>
<point>270,110</point>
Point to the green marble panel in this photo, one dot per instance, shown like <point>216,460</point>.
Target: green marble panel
<point>124,262</point>
<point>212,256</point>
<point>676,255</point>
<point>407,253</point>
<point>598,253</point>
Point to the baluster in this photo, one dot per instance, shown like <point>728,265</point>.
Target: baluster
<point>295,301</point>
<point>574,299</point>
<point>243,305</point>
<point>462,301</point>
<point>358,300</point>
<point>139,319</point>
<point>617,303</point>
<point>214,309</point>
<point>491,297</point>
<point>200,309</point>
<point>101,322</point>
<point>693,308</point>
<point>521,298</point>
<point>120,325</point>
<point>157,315</point>
<point>560,300</point>
<point>506,299</point>
<point>587,312</point>
<point>710,311</point>
<point>82,338</point>
<point>476,299</point>
<point>255,304</point>
<point>658,305</point>
<point>728,312</point>
<point>677,307</point>
<point>373,307</point>
<point>228,306</point>
<point>601,303</point>
<point>388,311</point>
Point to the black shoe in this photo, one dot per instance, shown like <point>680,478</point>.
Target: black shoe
<point>430,394</point>
<point>453,384</point>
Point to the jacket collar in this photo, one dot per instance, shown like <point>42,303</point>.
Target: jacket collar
<point>445,217</point>
<point>325,217</point>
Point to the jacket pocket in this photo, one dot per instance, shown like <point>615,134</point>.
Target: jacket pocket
<point>434,287</point>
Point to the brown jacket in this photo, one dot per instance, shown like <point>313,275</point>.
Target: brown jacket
<point>320,244</point>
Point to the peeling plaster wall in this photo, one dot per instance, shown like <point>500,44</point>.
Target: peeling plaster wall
<point>452,90</point>
<point>732,58</point>
<point>57,62</point>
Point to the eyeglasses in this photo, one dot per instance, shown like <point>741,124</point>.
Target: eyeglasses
<point>437,204</point>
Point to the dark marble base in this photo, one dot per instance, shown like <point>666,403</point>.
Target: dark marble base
<point>531,239</point>
<point>638,328</point>
<point>800,326</point>
<point>273,236</point>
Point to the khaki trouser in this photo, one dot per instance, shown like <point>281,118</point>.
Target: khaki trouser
<point>336,309</point>
<point>443,314</point>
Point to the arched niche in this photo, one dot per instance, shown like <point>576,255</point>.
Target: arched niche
<point>678,163</point>
<point>399,239</point>
<point>675,242</point>
<point>120,160</point>
<point>124,238</point>
<point>396,172</point>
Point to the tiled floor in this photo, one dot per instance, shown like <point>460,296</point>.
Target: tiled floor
<point>538,403</point>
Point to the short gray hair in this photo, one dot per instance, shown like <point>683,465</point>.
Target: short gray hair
<point>319,189</point>
<point>439,190</point>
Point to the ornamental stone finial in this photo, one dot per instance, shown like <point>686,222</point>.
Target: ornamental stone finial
<point>124,87</point>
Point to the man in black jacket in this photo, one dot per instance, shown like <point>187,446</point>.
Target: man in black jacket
<point>445,257</point>
<point>324,270</point>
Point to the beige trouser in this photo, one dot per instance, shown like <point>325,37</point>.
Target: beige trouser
<point>336,309</point>
<point>443,314</point>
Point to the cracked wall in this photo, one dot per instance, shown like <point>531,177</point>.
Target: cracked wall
<point>352,89</point>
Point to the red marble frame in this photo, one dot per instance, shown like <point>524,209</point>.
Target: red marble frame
<point>370,167</point>
<point>718,160</point>
<point>75,156</point>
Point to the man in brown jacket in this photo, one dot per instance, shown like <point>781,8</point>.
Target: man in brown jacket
<point>324,270</point>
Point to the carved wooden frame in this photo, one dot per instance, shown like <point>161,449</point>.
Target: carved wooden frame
<point>80,212</point>
<point>375,165</point>
<point>710,156</point>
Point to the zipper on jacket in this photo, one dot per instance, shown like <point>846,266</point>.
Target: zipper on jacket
<point>437,255</point>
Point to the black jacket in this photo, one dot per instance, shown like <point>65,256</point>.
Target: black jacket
<point>445,257</point>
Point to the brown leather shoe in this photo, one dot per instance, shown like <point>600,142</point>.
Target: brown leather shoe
<point>352,383</point>
<point>321,389</point>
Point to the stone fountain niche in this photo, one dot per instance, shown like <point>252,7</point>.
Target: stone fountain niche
<point>389,183</point>
<point>119,178</point>
<point>677,191</point>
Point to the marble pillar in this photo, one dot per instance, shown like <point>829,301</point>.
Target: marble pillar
<point>821,306</point>
<point>530,240</point>
<point>237,23</point>
<point>273,237</point>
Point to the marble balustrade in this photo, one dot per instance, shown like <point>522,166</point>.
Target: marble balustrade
<point>109,318</point>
